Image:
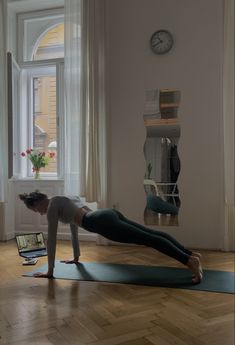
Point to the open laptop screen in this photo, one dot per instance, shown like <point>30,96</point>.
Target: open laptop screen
<point>30,242</point>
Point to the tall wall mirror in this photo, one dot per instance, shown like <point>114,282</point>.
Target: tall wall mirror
<point>161,156</point>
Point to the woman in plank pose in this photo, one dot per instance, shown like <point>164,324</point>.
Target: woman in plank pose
<point>109,223</point>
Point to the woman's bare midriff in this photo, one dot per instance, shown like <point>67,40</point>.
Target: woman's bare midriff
<point>80,214</point>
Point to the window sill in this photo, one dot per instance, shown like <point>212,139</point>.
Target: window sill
<point>41,179</point>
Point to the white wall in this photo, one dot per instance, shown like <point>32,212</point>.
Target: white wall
<point>193,66</point>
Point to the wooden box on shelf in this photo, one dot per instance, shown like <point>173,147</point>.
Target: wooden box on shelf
<point>169,102</point>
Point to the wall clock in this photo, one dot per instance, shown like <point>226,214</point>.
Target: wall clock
<point>161,41</point>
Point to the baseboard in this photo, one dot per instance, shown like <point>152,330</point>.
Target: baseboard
<point>229,228</point>
<point>7,237</point>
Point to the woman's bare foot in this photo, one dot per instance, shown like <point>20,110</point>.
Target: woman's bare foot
<point>199,256</point>
<point>194,265</point>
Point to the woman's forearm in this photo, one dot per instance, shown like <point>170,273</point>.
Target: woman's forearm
<point>75,241</point>
<point>50,271</point>
<point>51,248</point>
<point>51,241</point>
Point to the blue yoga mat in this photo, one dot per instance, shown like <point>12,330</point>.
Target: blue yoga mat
<point>171,277</point>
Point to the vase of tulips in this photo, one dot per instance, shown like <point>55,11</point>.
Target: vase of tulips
<point>38,159</point>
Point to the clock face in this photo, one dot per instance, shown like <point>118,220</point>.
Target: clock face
<point>161,41</point>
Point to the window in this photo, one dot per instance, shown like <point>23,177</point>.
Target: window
<point>44,127</point>
<point>39,122</point>
<point>51,45</point>
<point>40,35</point>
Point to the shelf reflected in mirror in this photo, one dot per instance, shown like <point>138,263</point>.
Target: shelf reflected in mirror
<point>161,156</point>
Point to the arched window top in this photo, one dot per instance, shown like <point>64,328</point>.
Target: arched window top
<point>41,35</point>
<point>50,45</point>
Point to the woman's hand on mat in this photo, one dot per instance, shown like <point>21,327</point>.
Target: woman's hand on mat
<point>71,261</point>
<point>43,275</point>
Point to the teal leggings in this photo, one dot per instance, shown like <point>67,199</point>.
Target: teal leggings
<point>113,225</point>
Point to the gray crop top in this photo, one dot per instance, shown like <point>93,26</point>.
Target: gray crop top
<point>64,208</point>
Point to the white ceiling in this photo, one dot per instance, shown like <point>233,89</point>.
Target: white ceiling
<point>18,6</point>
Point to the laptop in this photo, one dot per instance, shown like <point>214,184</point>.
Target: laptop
<point>31,245</point>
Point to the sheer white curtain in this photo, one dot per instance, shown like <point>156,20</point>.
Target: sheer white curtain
<point>93,99</point>
<point>228,115</point>
<point>73,120</point>
<point>3,108</point>
<point>85,141</point>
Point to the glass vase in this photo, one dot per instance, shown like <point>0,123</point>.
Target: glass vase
<point>37,174</point>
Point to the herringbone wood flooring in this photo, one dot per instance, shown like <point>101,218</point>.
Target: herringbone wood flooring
<point>45,312</point>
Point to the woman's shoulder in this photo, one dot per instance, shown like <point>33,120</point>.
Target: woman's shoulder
<point>75,199</point>
<point>65,200</point>
<point>57,201</point>
<point>56,205</point>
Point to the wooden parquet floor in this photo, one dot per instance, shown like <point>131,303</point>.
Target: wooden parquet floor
<point>59,312</point>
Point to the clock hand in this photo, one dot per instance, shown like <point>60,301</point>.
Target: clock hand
<point>156,44</point>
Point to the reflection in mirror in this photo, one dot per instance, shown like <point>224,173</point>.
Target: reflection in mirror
<point>161,155</point>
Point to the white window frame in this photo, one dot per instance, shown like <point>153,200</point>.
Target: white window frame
<point>28,71</point>
<point>28,68</point>
<point>57,17</point>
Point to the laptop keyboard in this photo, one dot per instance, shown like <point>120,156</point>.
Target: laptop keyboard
<point>37,254</point>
